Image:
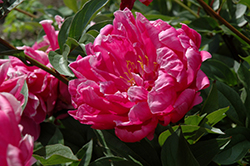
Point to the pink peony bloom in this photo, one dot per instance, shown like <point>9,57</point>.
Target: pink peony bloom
<point>138,73</point>
<point>130,3</point>
<point>1,1</point>
<point>14,149</point>
<point>43,87</point>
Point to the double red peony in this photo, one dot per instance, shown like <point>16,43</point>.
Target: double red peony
<point>138,73</point>
<point>130,3</point>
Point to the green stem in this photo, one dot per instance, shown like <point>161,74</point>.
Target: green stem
<point>187,8</point>
<point>170,129</point>
<point>36,63</point>
<point>223,21</point>
<point>45,68</point>
<point>26,13</point>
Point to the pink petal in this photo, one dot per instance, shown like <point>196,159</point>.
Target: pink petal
<point>135,133</point>
<point>205,55</point>
<point>3,70</point>
<point>50,32</point>
<point>192,34</point>
<point>137,93</point>
<point>169,38</point>
<point>59,21</point>
<point>26,146</point>
<point>91,116</point>
<point>170,62</point>
<point>202,81</point>
<point>14,156</point>
<point>30,127</point>
<point>184,103</point>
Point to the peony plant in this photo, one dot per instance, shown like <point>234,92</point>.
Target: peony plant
<point>133,89</point>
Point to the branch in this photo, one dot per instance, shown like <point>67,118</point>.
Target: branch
<point>36,63</point>
<point>223,21</point>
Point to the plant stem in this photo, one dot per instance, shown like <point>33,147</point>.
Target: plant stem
<point>187,8</point>
<point>170,129</point>
<point>36,63</point>
<point>47,69</point>
<point>223,21</point>
<point>26,13</point>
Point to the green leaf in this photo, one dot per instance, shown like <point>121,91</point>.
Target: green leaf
<point>216,116</point>
<point>53,12</point>
<point>154,17</point>
<point>229,97</point>
<point>85,154</point>
<point>60,62</point>
<point>176,151</point>
<point>98,26</point>
<point>143,153</point>
<point>72,43</point>
<point>245,2</point>
<point>247,18</point>
<point>205,151</point>
<point>55,154</point>
<point>83,17</point>
<point>193,120</point>
<point>219,71</point>
<point>76,134</point>
<point>247,59</point>
<point>87,38</point>
<point>94,33</point>
<point>114,161</point>
<point>72,4</point>
<point>191,132</point>
<point>244,74</point>
<point>204,24</point>
<point>237,148</point>
<point>211,102</point>
<point>57,138</point>
<point>64,32</point>
<point>25,93</point>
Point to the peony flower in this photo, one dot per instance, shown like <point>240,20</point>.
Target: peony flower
<point>146,2</point>
<point>130,3</point>
<point>136,74</point>
<point>43,88</point>
<point>1,1</point>
<point>14,149</point>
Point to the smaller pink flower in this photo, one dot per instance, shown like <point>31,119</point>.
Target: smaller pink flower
<point>14,149</point>
<point>1,1</point>
<point>43,87</point>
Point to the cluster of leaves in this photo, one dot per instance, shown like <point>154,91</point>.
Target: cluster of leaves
<point>217,132</point>
<point>21,25</point>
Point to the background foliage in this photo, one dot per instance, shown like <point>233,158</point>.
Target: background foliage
<point>216,132</point>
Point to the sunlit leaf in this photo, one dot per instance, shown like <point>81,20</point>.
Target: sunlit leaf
<point>83,17</point>
<point>55,154</point>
